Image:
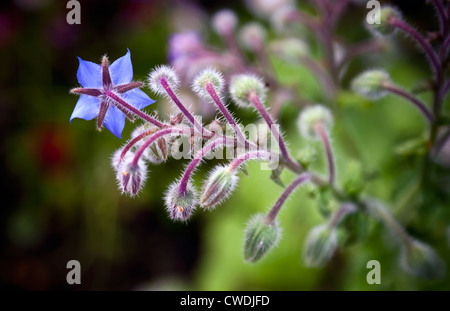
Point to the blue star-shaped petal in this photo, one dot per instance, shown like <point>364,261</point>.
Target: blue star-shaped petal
<point>105,92</point>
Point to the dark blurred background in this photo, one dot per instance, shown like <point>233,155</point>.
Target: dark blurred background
<point>59,198</point>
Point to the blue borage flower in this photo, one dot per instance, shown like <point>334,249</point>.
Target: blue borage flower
<point>106,91</point>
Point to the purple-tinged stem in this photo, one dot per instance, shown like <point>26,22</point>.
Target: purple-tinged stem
<point>240,136</point>
<point>138,138</point>
<point>156,136</point>
<point>336,11</point>
<point>259,154</point>
<point>320,129</point>
<point>321,74</point>
<point>273,128</point>
<point>326,39</point>
<point>323,6</point>
<point>445,89</point>
<point>411,98</point>
<point>359,49</point>
<point>230,41</point>
<point>386,217</point>
<point>120,102</point>
<point>304,19</point>
<point>344,210</point>
<point>443,18</point>
<point>272,215</point>
<point>445,47</point>
<point>222,141</point>
<point>183,109</point>
<point>434,60</point>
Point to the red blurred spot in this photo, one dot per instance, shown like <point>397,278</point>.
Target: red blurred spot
<point>52,148</point>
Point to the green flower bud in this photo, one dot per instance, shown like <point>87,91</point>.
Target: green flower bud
<point>208,76</point>
<point>312,115</point>
<point>260,237</point>
<point>385,28</point>
<point>421,260</point>
<point>241,86</point>
<point>218,187</point>
<point>320,246</point>
<point>371,83</point>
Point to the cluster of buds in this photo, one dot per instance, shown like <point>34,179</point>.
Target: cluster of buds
<point>215,76</point>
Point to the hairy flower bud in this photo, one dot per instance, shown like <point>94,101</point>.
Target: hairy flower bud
<point>421,260</point>
<point>163,72</point>
<point>180,205</point>
<point>310,117</point>
<point>260,237</point>
<point>116,161</point>
<point>131,177</point>
<point>370,84</point>
<point>208,76</point>
<point>385,28</point>
<point>218,187</point>
<point>224,21</point>
<point>320,246</point>
<point>241,86</point>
